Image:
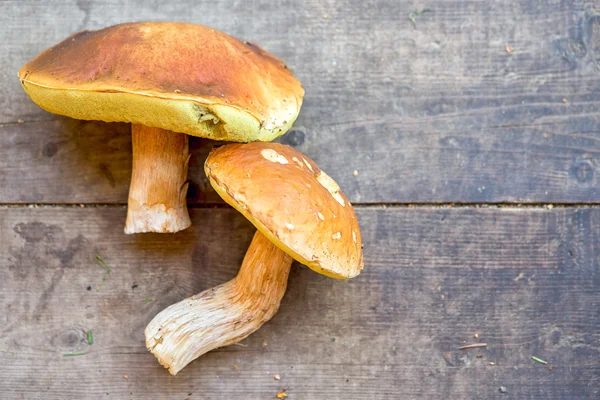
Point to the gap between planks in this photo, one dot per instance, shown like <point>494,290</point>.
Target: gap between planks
<point>507,205</point>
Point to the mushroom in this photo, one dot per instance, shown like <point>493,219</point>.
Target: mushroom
<point>300,213</point>
<point>168,80</point>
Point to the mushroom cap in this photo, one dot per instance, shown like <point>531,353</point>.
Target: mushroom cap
<point>291,201</point>
<point>177,76</point>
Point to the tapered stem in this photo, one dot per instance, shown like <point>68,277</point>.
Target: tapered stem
<point>224,314</point>
<point>158,187</point>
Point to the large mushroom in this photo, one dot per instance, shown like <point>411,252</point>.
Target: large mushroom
<point>300,213</point>
<point>168,80</point>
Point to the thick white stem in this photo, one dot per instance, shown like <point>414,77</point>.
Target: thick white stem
<point>157,201</point>
<point>224,314</point>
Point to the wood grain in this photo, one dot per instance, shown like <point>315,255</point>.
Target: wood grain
<point>526,280</point>
<point>477,102</point>
<point>436,112</point>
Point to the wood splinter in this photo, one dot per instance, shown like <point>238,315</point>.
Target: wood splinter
<point>473,346</point>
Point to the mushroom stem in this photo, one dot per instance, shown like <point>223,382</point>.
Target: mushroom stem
<point>225,314</point>
<point>157,195</point>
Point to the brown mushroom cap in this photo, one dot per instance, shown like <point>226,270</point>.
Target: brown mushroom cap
<point>176,76</point>
<point>292,202</point>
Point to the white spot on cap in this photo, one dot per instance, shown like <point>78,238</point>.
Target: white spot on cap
<point>321,217</point>
<point>300,165</point>
<point>273,156</point>
<point>308,185</point>
<point>331,186</point>
<point>307,164</point>
<point>337,235</point>
<point>290,226</point>
<point>354,236</point>
<point>242,200</point>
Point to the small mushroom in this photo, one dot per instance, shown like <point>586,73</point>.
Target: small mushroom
<point>314,225</point>
<point>168,80</point>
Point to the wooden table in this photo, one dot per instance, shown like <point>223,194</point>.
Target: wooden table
<point>475,132</point>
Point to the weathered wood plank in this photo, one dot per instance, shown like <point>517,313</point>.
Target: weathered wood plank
<point>526,280</point>
<point>437,112</point>
<point>68,161</point>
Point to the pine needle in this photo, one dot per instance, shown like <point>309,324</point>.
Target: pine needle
<point>413,15</point>
<point>100,261</point>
